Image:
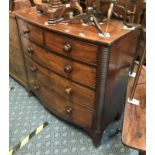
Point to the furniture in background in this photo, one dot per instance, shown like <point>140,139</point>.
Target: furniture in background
<point>80,75</point>
<point>135,11</point>
<point>134,124</point>
<point>20,4</point>
<point>16,62</point>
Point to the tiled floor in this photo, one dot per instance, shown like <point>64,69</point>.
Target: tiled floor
<point>59,137</point>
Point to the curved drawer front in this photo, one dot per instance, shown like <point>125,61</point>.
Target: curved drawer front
<point>71,48</point>
<point>62,107</point>
<point>69,90</point>
<point>30,31</point>
<point>70,69</point>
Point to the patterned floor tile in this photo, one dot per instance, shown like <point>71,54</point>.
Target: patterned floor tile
<point>59,137</point>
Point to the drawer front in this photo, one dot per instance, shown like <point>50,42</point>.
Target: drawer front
<point>70,69</point>
<point>69,90</point>
<point>62,107</point>
<point>31,32</point>
<point>71,47</point>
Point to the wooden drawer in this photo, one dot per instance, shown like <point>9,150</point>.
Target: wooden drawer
<point>70,47</point>
<point>31,32</point>
<point>62,107</point>
<point>69,90</point>
<point>70,69</point>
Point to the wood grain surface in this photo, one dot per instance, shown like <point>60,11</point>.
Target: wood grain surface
<point>78,49</point>
<point>16,62</point>
<point>77,94</point>
<point>81,73</point>
<point>134,124</point>
<point>60,106</point>
<point>31,32</point>
<point>88,32</point>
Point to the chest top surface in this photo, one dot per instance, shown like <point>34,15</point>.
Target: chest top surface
<point>89,33</point>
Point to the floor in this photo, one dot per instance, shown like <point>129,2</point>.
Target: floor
<point>59,137</point>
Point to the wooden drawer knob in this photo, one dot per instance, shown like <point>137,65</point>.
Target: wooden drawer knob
<point>68,69</point>
<point>30,50</point>
<point>26,30</point>
<point>67,47</point>
<point>68,90</point>
<point>69,111</point>
<point>36,87</point>
<point>33,68</point>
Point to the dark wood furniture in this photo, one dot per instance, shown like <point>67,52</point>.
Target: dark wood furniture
<point>136,14</point>
<point>134,124</point>
<point>78,74</point>
<point>16,62</point>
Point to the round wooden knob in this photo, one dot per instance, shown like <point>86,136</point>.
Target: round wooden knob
<point>68,90</point>
<point>68,69</point>
<point>26,30</point>
<point>33,68</point>
<point>69,111</point>
<point>36,87</point>
<point>30,50</point>
<point>67,47</point>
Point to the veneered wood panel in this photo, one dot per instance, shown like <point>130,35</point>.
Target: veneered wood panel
<point>78,50</point>
<point>77,94</point>
<point>58,104</point>
<point>30,31</point>
<point>81,73</point>
<point>16,62</point>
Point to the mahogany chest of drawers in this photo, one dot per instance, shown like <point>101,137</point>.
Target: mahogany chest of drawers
<point>78,74</point>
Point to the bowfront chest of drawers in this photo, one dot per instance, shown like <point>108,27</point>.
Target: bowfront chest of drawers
<point>78,74</point>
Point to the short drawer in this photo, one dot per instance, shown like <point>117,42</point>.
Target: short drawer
<point>70,69</point>
<point>58,105</point>
<point>71,47</point>
<point>69,90</point>
<point>30,31</point>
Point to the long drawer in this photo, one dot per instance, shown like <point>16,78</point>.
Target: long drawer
<point>57,104</point>
<point>60,106</point>
<point>65,88</point>
<point>70,69</point>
